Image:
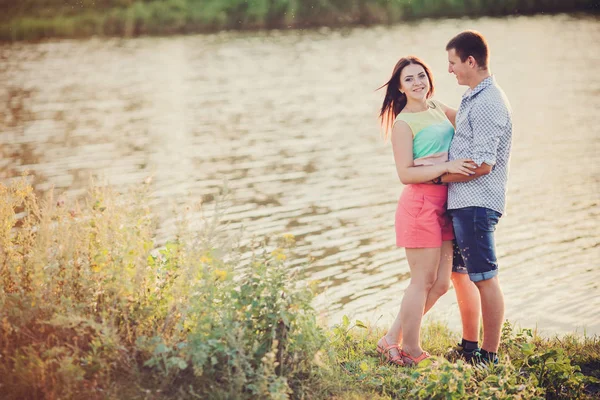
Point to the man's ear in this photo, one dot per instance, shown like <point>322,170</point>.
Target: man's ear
<point>471,61</point>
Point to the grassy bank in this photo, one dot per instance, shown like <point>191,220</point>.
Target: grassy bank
<point>37,19</point>
<point>91,310</point>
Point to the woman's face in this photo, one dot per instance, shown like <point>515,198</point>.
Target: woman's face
<point>414,82</point>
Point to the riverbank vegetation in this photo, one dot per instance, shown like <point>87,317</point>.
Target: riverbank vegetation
<point>37,19</point>
<point>92,308</point>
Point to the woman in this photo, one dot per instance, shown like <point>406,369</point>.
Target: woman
<point>422,130</point>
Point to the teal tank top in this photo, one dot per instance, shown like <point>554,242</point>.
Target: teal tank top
<point>432,134</point>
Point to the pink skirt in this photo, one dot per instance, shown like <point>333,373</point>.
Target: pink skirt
<point>421,217</point>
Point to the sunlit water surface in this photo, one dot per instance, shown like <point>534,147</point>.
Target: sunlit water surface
<point>289,120</point>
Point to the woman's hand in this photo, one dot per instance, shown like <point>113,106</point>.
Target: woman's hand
<point>464,166</point>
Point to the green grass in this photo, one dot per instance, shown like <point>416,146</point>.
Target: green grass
<point>531,367</point>
<point>37,19</point>
<point>92,308</point>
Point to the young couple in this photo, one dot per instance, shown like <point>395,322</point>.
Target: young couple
<point>454,165</point>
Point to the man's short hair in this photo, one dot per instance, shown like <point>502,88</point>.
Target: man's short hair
<point>470,43</point>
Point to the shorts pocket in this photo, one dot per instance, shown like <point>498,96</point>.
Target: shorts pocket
<point>486,219</point>
<point>413,205</point>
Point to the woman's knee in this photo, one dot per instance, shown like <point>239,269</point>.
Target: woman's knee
<point>440,287</point>
<point>424,265</point>
<point>425,283</point>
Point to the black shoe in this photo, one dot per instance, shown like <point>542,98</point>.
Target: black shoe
<point>477,357</point>
<point>469,356</point>
<point>459,352</point>
<point>481,359</point>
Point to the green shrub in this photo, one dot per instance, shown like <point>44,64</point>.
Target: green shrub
<point>546,364</point>
<point>89,305</point>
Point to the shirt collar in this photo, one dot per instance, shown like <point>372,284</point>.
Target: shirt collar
<point>489,81</point>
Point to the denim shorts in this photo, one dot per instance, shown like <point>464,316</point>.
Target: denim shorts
<point>474,247</point>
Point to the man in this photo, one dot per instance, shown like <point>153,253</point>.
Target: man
<point>476,203</point>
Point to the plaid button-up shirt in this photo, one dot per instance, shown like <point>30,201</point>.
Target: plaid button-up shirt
<point>484,134</point>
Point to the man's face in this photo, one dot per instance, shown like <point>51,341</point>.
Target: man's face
<point>460,69</point>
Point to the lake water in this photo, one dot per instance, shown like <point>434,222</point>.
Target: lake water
<point>289,119</point>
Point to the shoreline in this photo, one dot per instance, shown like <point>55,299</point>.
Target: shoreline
<point>160,19</point>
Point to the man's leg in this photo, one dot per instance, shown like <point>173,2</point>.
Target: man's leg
<point>469,305</point>
<point>492,307</point>
<point>467,297</point>
<point>474,228</point>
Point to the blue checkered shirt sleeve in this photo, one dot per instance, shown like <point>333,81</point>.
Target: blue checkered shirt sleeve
<point>489,122</point>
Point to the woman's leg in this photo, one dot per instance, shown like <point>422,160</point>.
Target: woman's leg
<point>439,288</point>
<point>469,304</point>
<point>424,264</point>
<point>442,283</point>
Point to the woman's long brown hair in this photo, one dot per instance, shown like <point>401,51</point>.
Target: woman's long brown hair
<point>395,101</point>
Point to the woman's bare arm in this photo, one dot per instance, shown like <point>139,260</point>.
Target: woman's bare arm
<point>402,145</point>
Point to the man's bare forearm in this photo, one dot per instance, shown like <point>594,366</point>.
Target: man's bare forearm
<point>484,169</point>
<point>448,178</point>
